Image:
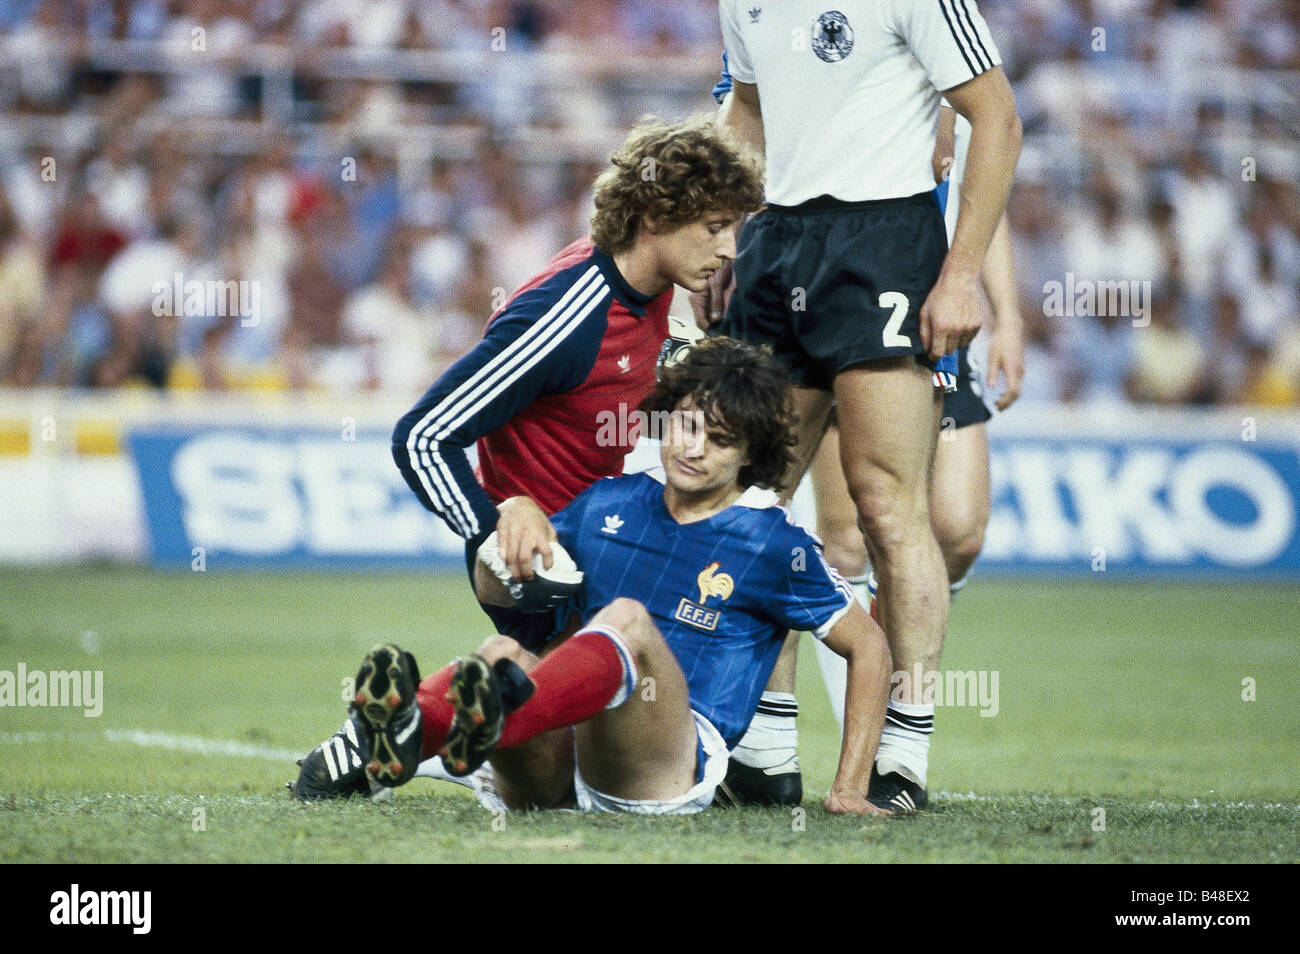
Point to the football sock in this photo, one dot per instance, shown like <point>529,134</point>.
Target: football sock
<point>436,712</point>
<point>772,739</point>
<point>955,588</point>
<point>905,741</point>
<point>835,673</point>
<point>834,667</point>
<point>591,671</point>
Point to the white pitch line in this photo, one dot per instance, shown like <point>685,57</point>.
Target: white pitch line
<point>227,747</point>
<point>165,740</point>
<point>201,746</point>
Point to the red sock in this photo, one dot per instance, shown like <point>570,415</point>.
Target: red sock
<point>574,683</point>
<point>436,713</point>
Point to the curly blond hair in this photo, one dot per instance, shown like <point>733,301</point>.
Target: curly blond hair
<point>674,173</point>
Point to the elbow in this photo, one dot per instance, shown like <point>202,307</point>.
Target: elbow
<point>402,433</point>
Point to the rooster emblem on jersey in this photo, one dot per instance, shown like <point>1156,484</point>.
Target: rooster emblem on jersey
<point>713,583</point>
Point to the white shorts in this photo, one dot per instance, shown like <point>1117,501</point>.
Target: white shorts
<point>695,799</point>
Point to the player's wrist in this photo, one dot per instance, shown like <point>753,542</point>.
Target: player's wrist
<point>1007,318</point>
<point>959,268</point>
<point>512,503</point>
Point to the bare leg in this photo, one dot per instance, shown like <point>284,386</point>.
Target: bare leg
<point>846,550</point>
<point>538,773</point>
<point>837,518</point>
<point>645,748</point>
<point>959,497</point>
<point>812,409</point>
<point>889,417</point>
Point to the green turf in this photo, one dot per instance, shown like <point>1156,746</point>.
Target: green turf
<point>1123,697</point>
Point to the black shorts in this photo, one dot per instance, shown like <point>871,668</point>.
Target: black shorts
<point>830,284</point>
<point>965,406</point>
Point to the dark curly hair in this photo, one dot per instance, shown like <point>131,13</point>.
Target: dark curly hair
<point>675,173</point>
<point>742,392</point>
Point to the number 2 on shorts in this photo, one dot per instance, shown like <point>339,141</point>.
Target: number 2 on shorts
<point>898,302</point>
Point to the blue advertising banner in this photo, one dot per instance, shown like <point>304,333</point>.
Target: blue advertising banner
<point>1061,505</point>
<point>308,498</point>
<point>1152,505</point>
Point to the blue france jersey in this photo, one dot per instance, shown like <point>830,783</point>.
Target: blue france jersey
<point>722,591</point>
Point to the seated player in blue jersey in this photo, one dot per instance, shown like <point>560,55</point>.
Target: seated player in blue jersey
<point>575,345</point>
<point>691,582</point>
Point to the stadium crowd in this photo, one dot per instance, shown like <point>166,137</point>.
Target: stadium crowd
<point>355,185</point>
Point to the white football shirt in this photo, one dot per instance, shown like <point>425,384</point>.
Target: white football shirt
<point>850,88</point>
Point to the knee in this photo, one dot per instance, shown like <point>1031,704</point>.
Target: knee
<point>623,613</point>
<point>891,513</point>
<point>504,647</point>
<point>845,550</point>
<point>631,620</point>
<point>961,541</point>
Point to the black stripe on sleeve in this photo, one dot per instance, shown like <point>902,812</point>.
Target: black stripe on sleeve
<point>976,33</point>
<point>957,39</point>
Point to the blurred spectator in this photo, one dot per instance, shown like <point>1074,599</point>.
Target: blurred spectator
<point>22,287</point>
<point>1224,378</point>
<point>1106,243</point>
<point>121,185</point>
<point>1204,218</point>
<point>1160,148</point>
<point>389,343</point>
<point>1168,360</point>
<point>39,44</point>
<point>1094,358</point>
<point>147,293</point>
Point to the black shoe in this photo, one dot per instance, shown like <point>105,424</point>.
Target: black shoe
<point>895,792</point>
<point>483,695</point>
<point>746,785</point>
<point>337,767</point>
<point>387,714</point>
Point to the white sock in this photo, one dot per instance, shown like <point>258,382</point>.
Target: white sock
<point>835,673</point>
<point>772,738</point>
<point>905,742</point>
<point>433,768</point>
<point>834,667</point>
<point>955,588</point>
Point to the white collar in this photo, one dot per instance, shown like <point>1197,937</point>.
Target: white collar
<point>754,497</point>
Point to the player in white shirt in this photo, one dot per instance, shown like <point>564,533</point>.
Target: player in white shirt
<point>848,276</point>
<point>959,488</point>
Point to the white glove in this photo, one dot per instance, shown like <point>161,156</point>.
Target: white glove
<point>547,589</point>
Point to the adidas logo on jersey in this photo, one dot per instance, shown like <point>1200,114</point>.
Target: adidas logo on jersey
<point>612,524</point>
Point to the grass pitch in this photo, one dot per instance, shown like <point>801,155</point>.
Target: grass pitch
<point>1169,708</point>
